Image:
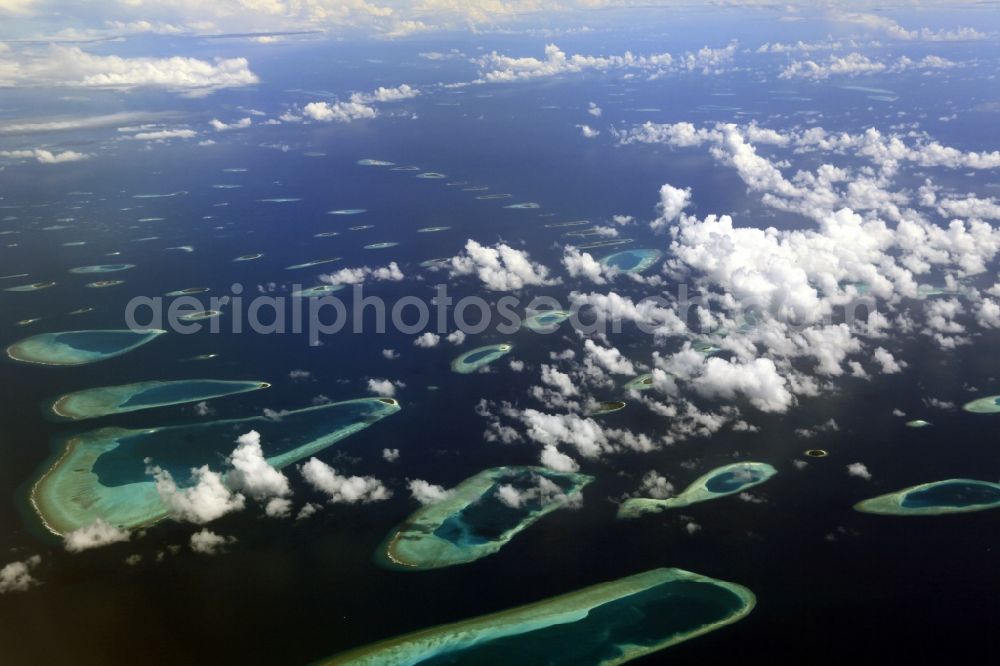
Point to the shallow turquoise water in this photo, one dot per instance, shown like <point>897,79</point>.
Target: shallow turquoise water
<point>645,619</point>
<point>955,493</point>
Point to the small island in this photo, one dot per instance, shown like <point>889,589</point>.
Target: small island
<point>640,383</point>
<point>478,518</point>
<point>480,357</point>
<point>936,498</point>
<point>607,407</point>
<point>720,482</point>
<point>602,625</point>
<point>79,347</point>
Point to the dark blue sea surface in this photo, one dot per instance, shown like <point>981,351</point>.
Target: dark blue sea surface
<point>831,583</point>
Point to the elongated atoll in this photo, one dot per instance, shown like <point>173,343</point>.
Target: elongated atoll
<point>101,268</point>
<point>79,347</point>
<point>988,405</point>
<point>936,498</point>
<point>602,625</point>
<point>475,359</point>
<point>310,264</point>
<point>103,473</point>
<point>317,291</point>
<point>478,518</point>
<point>34,286</point>
<point>720,482</point>
<point>105,400</point>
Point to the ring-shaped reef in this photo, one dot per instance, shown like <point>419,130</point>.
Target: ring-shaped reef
<point>104,284</point>
<point>101,268</point>
<point>988,405</point>
<point>371,162</point>
<point>431,230</point>
<point>817,453</point>
<point>79,347</point>
<point>431,175</point>
<point>547,321</point>
<point>474,520</point>
<point>105,400</point>
<point>476,358</point>
<point>918,423</point>
<point>527,205</point>
<point>381,246</point>
<point>102,473</point>
<point>249,257</point>
<point>490,197</point>
<point>347,211</point>
<point>632,261</point>
<point>720,482</point>
<point>936,498</point>
<point>602,625</point>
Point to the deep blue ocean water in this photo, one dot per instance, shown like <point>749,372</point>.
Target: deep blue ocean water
<point>896,590</point>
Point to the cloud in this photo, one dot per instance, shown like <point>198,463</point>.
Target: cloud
<point>16,576</point>
<point>220,126</point>
<point>673,201</point>
<point>855,64</point>
<point>554,459</point>
<point>343,489</point>
<point>44,156</point>
<point>205,500</point>
<point>891,28</point>
<point>583,264</point>
<point>390,455</point>
<point>500,268</point>
<point>588,132</point>
<point>757,380</point>
<point>252,474</point>
<point>163,135</point>
<point>390,273</point>
<point>207,542</point>
<point>427,340</point>
<point>339,112</point>
<point>498,68</point>
<point>859,470</point>
<point>384,387</point>
<point>655,486</point>
<point>97,534</point>
<point>427,493</point>
<point>73,67</point>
